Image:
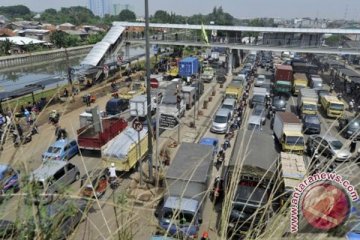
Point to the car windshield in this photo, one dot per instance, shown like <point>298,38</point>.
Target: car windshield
<point>173,214</point>
<point>310,107</point>
<point>312,119</point>
<point>336,106</point>
<point>230,107</point>
<point>52,149</point>
<point>295,140</point>
<point>258,98</point>
<point>336,144</point>
<point>255,127</point>
<point>258,111</point>
<point>220,119</point>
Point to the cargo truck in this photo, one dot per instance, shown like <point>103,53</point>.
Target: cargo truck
<point>188,66</point>
<point>307,101</point>
<point>288,131</point>
<point>124,150</point>
<point>300,81</point>
<point>189,95</point>
<point>187,181</point>
<point>138,105</point>
<point>332,106</point>
<point>292,171</point>
<point>283,80</point>
<point>97,134</point>
<point>208,74</point>
<point>234,90</point>
<point>251,200</point>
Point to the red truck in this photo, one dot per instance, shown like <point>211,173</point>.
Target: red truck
<point>284,73</point>
<point>91,140</point>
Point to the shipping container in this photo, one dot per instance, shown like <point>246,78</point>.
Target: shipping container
<point>188,66</point>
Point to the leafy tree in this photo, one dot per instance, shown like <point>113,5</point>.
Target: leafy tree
<point>127,15</point>
<point>63,40</point>
<point>161,16</point>
<point>75,15</point>
<point>95,38</point>
<point>5,47</point>
<point>17,11</point>
<point>334,40</point>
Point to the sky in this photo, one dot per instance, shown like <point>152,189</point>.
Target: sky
<point>332,9</point>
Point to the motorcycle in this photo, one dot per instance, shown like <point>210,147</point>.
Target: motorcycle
<point>114,183</point>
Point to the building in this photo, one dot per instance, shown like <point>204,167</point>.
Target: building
<point>99,7</point>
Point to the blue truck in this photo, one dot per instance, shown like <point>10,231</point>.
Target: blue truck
<point>189,66</point>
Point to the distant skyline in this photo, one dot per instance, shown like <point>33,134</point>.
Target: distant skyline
<point>332,9</point>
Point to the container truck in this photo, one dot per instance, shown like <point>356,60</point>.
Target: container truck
<point>97,134</point>
<point>125,150</point>
<point>307,101</point>
<point>253,202</point>
<point>188,66</point>
<point>283,80</point>
<point>300,81</point>
<point>288,131</point>
<point>187,181</point>
<point>189,95</point>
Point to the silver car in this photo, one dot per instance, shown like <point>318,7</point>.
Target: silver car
<point>328,146</point>
<point>260,111</point>
<point>254,123</point>
<point>221,121</point>
<point>260,80</point>
<point>230,104</point>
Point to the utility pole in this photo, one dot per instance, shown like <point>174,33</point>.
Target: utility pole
<point>148,88</point>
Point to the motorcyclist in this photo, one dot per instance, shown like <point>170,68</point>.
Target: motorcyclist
<point>351,105</point>
<point>112,172</point>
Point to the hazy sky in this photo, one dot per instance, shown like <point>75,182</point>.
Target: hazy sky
<point>238,8</point>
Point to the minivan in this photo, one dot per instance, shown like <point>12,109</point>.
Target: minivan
<point>115,106</point>
<point>230,104</point>
<point>53,176</point>
<point>221,121</point>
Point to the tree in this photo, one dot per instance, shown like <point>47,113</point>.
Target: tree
<point>161,16</point>
<point>95,38</point>
<point>63,40</point>
<point>5,47</point>
<point>127,15</point>
<point>17,11</point>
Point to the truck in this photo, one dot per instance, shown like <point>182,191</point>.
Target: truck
<point>188,66</point>
<point>333,107</point>
<point>215,56</point>
<point>288,131</point>
<point>187,181</point>
<point>125,150</point>
<point>138,105</point>
<point>249,180</point>
<point>208,74</point>
<point>234,90</point>
<point>189,95</point>
<point>291,172</point>
<point>303,67</point>
<point>283,80</point>
<point>95,135</point>
<point>307,101</point>
<point>300,81</point>
<point>259,97</point>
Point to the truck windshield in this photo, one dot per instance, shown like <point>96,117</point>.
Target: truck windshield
<point>310,107</point>
<point>177,215</point>
<point>295,140</point>
<point>251,193</point>
<point>336,106</point>
<point>258,98</point>
<point>220,119</point>
<point>298,87</point>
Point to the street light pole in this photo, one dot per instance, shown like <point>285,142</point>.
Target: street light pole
<point>148,87</point>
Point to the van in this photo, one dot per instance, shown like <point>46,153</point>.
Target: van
<point>259,97</point>
<point>332,106</point>
<point>221,121</point>
<point>230,104</point>
<point>54,175</point>
<point>115,106</point>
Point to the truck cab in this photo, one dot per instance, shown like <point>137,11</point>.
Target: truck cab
<point>283,88</point>
<point>333,107</point>
<point>234,90</point>
<point>293,141</point>
<point>300,81</point>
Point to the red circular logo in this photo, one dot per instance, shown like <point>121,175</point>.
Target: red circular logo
<point>325,205</point>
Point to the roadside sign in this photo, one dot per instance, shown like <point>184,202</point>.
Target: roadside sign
<point>119,60</point>
<point>168,121</point>
<point>137,125</point>
<point>154,83</point>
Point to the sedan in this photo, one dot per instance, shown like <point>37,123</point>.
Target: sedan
<point>350,128</point>
<point>279,103</point>
<point>311,124</point>
<point>259,81</point>
<point>63,149</point>
<point>260,111</point>
<point>328,146</point>
<point>9,179</point>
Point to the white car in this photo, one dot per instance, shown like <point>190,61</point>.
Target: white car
<point>259,81</point>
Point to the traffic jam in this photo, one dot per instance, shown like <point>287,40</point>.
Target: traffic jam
<point>277,119</point>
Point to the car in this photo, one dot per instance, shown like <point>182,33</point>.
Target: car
<point>94,184</point>
<point>350,128</point>
<point>9,179</point>
<point>259,81</point>
<point>221,121</point>
<point>328,146</point>
<point>230,104</point>
<point>115,106</point>
<point>63,149</point>
<point>279,103</point>
<point>254,123</point>
<point>260,111</point>
<point>311,124</point>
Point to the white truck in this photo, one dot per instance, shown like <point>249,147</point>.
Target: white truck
<point>138,105</point>
<point>307,101</point>
<point>189,94</point>
<point>215,56</point>
<point>288,131</point>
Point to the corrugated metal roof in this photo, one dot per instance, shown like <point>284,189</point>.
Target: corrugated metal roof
<point>119,147</point>
<point>21,40</point>
<point>113,34</point>
<point>96,54</point>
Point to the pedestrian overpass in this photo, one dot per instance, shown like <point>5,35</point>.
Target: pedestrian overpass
<point>194,38</point>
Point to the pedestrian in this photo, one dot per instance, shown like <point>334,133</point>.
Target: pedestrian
<point>352,146</point>
<point>238,121</point>
<point>27,116</point>
<point>88,100</point>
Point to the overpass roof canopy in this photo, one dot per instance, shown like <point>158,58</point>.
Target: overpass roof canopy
<point>113,34</point>
<point>241,28</point>
<point>96,54</point>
